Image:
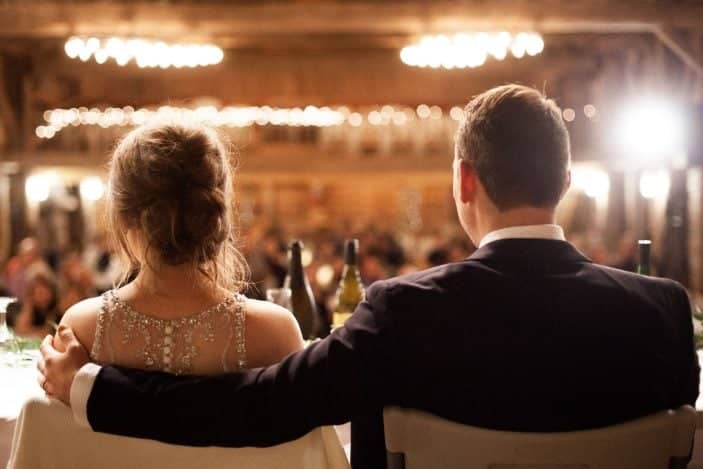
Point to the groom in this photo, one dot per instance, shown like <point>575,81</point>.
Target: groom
<point>527,334</point>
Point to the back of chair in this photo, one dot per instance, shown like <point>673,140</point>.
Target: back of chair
<point>46,437</point>
<point>416,440</point>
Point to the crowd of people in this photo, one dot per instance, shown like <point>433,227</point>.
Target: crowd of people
<point>47,284</point>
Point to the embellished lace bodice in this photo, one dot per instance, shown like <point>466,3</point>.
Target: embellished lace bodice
<point>209,342</point>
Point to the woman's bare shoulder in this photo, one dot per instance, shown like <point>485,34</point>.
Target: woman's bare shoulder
<point>272,332</point>
<point>82,318</point>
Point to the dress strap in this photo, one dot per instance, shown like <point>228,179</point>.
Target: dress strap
<point>100,329</point>
<point>240,315</point>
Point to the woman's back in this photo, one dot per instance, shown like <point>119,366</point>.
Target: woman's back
<point>210,341</point>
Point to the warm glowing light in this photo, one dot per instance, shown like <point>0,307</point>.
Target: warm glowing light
<point>306,257</point>
<point>569,114</point>
<point>38,187</point>
<point>654,184</point>
<point>590,111</point>
<point>240,116</point>
<point>592,181</point>
<point>469,50</point>
<point>324,275</point>
<point>355,119</point>
<point>456,113</point>
<point>423,111</point>
<point>58,119</point>
<point>436,112</point>
<point>143,52</point>
<point>652,129</point>
<point>92,188</point>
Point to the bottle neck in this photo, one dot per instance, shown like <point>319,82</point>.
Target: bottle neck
<point>296,273</point>
<point>643,266</point>
<point>350,271</point>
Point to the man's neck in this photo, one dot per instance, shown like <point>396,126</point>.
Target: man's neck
<point>521,216</point>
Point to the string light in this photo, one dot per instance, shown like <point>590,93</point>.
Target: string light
<point>55,120</point>
<point>58,119</point>
<point>469,50</point>
<point>143,52</point>
<point>569,114</point>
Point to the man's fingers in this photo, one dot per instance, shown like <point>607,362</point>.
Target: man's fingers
<point>47,347</point>
<point>41,366</point>
<point>67,335</point>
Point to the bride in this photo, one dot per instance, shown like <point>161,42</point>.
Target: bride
<point>170,210</point>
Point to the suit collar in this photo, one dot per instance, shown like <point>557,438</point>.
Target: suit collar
<point>517,250</point>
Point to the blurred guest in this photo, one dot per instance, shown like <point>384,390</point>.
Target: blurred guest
<point>22,268</point>
<point>103,262</point>
<point>437,256</point>
<point>625,257</point>
<point>38,308</point>
<point>75,281</point>
<point>371,268</point>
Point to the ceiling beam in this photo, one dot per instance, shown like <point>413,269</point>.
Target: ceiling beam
<point>213,20</point>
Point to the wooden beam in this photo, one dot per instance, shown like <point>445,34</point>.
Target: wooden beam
<point>680,49</point>
<point>212,20</point>
<point>8,115</point>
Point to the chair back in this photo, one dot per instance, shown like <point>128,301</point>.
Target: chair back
<point>46,437</point>
<point>416,439</point>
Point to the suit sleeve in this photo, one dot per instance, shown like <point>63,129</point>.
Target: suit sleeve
<point>329,382</point>
<point>690,375</point>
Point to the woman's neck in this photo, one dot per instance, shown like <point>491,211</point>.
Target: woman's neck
<point>174,281</point>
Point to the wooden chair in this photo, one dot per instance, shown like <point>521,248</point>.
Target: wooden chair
<point>416,440</point>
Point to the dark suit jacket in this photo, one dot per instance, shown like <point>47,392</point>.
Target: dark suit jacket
<point>524,335</point>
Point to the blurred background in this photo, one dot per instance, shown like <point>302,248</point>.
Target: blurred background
<point>342,116</point>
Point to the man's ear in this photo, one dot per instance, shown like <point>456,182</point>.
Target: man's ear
<point>567,184</point>
<point>468,183</point>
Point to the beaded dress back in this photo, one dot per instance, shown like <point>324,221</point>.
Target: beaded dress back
<point>208,342</point>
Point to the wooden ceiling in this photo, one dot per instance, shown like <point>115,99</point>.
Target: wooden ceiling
<point>234,20</point>
<point>291,53</point>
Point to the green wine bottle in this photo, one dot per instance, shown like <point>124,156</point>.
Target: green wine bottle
<point>643,266</point>
<point>301,299</point>
<point>350,291</point>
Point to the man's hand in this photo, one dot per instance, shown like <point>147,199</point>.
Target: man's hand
<point>59,368</point>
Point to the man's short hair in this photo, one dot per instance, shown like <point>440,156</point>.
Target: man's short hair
<point>516,141</point>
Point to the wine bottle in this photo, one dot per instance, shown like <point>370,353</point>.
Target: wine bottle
<point>350,291</point>
<point>645,247</point>
<point>301,298</point>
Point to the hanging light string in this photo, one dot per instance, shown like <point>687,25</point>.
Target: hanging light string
<point>144,52</point>
<point>238,116</point>
<point>469,50</point>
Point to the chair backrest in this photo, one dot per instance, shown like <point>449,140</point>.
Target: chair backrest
<point>416,439</point>
<point>46,437</point>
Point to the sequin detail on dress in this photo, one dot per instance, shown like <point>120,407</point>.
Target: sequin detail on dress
<point>209,342</point>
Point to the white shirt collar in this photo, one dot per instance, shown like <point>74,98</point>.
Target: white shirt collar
<point>525,232</point>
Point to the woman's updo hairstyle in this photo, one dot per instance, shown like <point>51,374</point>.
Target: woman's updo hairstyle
<point>172,183</point>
